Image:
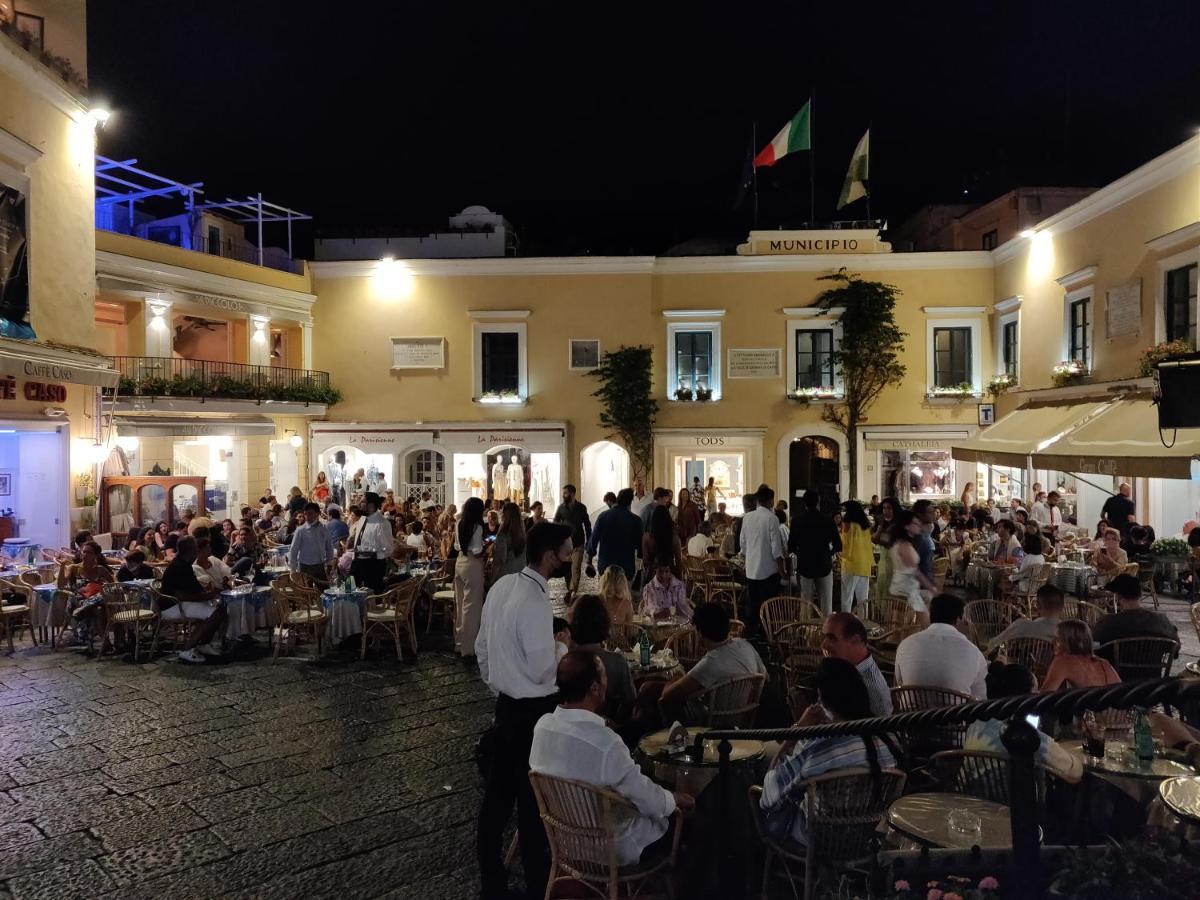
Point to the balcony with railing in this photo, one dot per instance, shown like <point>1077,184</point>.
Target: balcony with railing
<point>203,379</point>
<point>53,38</point>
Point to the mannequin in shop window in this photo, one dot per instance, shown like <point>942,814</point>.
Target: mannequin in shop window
<point>516,480</point>
<point>500,480</point>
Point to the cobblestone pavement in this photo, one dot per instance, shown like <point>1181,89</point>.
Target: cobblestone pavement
<point>245,779</point>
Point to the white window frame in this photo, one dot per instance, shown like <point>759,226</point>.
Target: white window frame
<point>478,330</point>
<point>1084,293</point>
<point>1007,312</point>
<point>1178,261</point>
<point>715,364</point>
<point>806,319</point>
<point>975,323</point>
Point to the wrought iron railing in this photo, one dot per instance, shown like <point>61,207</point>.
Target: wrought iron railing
<point>1020,740</point>
<point>153,376</point>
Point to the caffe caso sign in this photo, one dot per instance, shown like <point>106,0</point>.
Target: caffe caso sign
<point>38,391</point>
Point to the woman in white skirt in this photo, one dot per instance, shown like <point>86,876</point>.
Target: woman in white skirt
<point>907,578</point>
<point>468,577</point>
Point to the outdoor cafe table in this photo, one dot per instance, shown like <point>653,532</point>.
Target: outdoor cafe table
<point>660,629</point>
<point>247,608</point>
<point>1177,807</point>
<point>273,572</point>
<point>345,611</point>
<point>984,577</point>
<point>47,612</point>
<point>1072,578</point>
<point>923,818</point>
<point>1121,769</point>
<point>663,667</point>
<point>677,772</point>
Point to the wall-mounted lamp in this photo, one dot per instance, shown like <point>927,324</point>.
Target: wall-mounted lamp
<point>295,440</point>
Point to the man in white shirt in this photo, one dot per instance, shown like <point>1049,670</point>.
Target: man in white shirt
<point>311,549</point>
<point>699,543</point>
<point>373,544</point>
<point>845,637</point>
<point>941,655</point>
<point>1048,515</point>
<point>518,658</point>
<point>574,742</point>
<point>640,498</point>
<point>419,540</point>
<point>762,543</point>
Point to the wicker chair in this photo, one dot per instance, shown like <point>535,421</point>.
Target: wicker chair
<point>179,628</point>
<point>979,773</point>
<point>623,636</point>
<point>1033,653</point>
<point>124,609</point>
<point>582,825</point>
<point>923,742</point>
<point>298,608</point>
<point>799,667</point>
<point>733,703</point>
<point>392,613</point>
<point>11,614</point>
<point>1141,657</point>
<point>780,611</point>
<point>1089,612</point>
<point>693,572</point>
<point>685,644</point>
<point>736,628</point>
<point>888,611</point>
<point>941,568</point>
<point>1146,582</point>
<point>720,583</point>
<point>1195,613</point>
<point>1028,597</point>
<point>843,812</point>
<point>988,618</point>
<point>441,598</point>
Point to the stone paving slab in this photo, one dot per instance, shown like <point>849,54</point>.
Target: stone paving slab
<point>251,778</point>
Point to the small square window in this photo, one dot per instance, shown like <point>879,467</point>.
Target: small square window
<point>583,355</point>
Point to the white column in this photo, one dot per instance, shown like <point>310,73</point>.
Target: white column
<point>158,327</point>
<point>306,361</point>
<point>260,341</point>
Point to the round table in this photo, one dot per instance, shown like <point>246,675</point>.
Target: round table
<point>663,667</point>
<point>983,577</point>
<point>345,611</point>
<point>1193,668</point>
<point>679,772</point>
<point>47,612</point>
<point>922,818</point>
<point>1072,578</point>
<point>660,629</point>
<point>1118,761</point>
<point>247,608</point>
<point>1172,569</point>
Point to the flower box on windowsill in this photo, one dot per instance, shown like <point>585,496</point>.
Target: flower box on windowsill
<point>1068,372</point>
<point>999,384</point>
<point>500,400</point>
<point>815,395</point>
<point>700,395</point>
<point>960,393</point>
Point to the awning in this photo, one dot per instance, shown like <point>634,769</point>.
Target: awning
<point>41,362</point>
<point>1123,440</point>
<point>1012,440</point>
<point>166,426</point>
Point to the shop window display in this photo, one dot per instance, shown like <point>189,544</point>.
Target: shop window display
<point>727,471</point>
<point>917,474</point>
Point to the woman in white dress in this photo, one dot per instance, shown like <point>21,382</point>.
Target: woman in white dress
<point>907,578</point>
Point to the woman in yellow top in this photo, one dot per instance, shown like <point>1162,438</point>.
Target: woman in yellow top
<point>857,555</point>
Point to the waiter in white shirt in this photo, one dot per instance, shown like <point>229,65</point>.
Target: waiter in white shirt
<point>762,543</point>
<point>1048,515</point>
<point>373,544</point>
<point>311,550</point>
<point>518,658</point>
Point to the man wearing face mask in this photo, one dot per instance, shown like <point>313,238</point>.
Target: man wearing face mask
<point>518,659</point>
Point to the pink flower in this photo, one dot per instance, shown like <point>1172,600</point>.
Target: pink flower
<point>988,884</point>
<point>902,885</point>
<point>935,894</point>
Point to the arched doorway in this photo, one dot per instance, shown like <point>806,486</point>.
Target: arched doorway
<point>603,467</point>
<point>814,463</point>
<point>424,471</point>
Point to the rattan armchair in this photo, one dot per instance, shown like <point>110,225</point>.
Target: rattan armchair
<point>11,614</point>
<point>125,609</point>
<point>842,814</point>
<point>179,628</point>
<point>1145,577</point>
<point>686,645</point>
<point>582,825</point>
<point>988,619</point>
<point>1091,613</point>
<point>721,584</point>
<point>1141,657</point>
<point>298,608</point>
<point>941,568</point>
<point>733,703</point>
<point>888,611</point>
<point>1033,653</point>
<point>784,610</point>
<point>923,742</point>
<point>799,667</point>
<point>623,636</point>
<point>392,613</point>
<point>979,773</point>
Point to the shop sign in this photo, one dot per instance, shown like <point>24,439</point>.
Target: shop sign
<point>710,441</point>
<point>910,445</point>
<point>754,363</point>
<point>499,439</point>
<point>218,302</point>
<point>34,390</point>
<point>801,243</point>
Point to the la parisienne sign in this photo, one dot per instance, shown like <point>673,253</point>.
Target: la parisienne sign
<point>808,243</point>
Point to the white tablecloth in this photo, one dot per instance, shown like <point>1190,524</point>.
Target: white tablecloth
<point>345,613</point>
<point>247,608</point>
<point>1071,578</point>
<point>45,612</point>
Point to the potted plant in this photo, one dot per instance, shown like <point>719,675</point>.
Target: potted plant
<point>703,393</point>
<point>1152,356</point>
<point>999,384</point>
<point>1170,548</point>
<point>1067,372</point>
<point>1140,869</point>
<point>959,391</point>
<point>683,394</point>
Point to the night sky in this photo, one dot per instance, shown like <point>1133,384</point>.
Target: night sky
<point>623,128</point>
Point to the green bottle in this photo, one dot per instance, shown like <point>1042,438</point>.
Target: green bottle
<point>644,648</point>
<point>1143,739</point>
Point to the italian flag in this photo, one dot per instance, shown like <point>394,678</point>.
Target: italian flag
<point>795,135</point>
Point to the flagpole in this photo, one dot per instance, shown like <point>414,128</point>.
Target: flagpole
<point>812,161</point>
<point>754,168</point>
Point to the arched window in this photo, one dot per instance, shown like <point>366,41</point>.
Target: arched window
<point>426,467</point>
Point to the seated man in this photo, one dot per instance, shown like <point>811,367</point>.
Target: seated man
<point>845,637</point>
<point>337,528</point>
<point>724,658</point>
<point>134,567</point>
<point>573,742</point>
<point>210,571</point>
<point>1132,620</point>
<point>1005,549</point>
<point>665,595</point>
<point>1050,602</point>
<point>720,519</point>
<point>182,594</point>
<point>419,540</point>
<point>941,655</point>
<point>700,543</point>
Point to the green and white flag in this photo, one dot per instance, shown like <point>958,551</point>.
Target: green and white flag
<point>856,177</point>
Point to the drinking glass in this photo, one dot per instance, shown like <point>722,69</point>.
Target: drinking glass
<point>965,827</point>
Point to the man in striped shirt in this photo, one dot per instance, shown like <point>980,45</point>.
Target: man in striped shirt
<point>845,637</point>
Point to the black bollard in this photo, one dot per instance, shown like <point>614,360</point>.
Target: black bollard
<point>1021,741</point>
